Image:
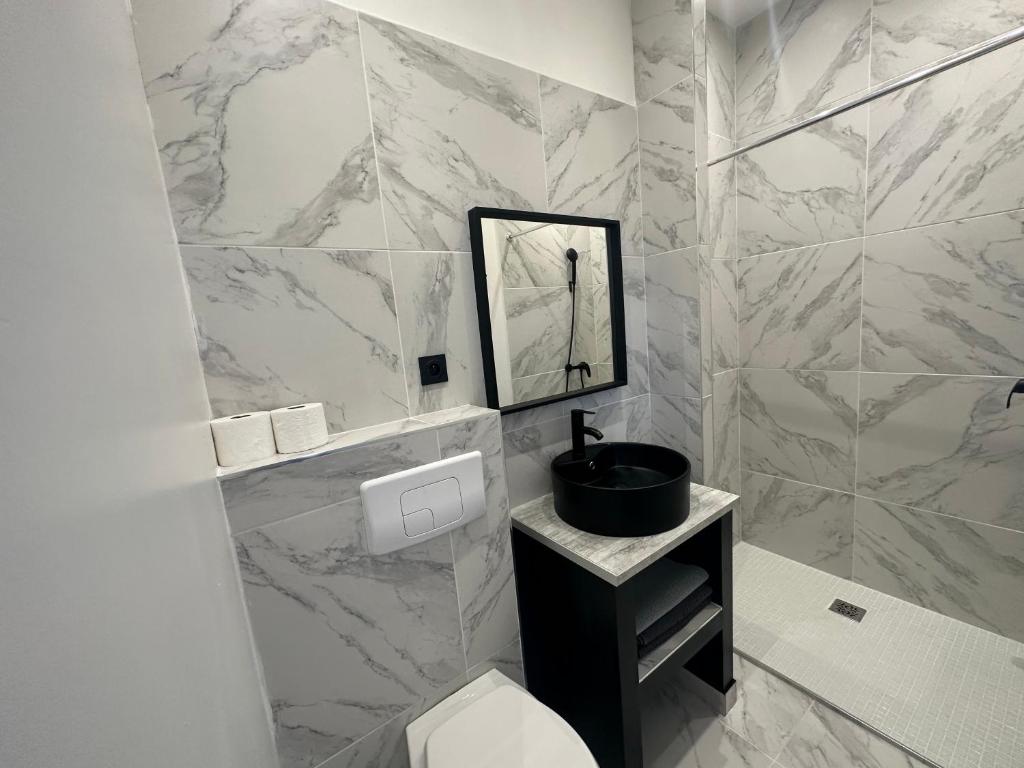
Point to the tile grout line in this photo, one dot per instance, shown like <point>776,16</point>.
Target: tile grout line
<point>860,334</point>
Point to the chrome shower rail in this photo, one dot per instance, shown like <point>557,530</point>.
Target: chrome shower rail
<point>514,235</point>
<point>968,54</point>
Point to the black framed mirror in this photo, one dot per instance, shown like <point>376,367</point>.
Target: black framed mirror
<point>550,306</point>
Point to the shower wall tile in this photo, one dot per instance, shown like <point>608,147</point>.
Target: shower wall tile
<point>483,548</point>
<point>668,164</point>
<point>947,298</point>
<point>945,444</point>
<point>454,129</point>
<point>592,156</point>
<point>801,309</point>
<point>800,425</point>
<point>949,147</point>
<point>721,76</point>
<point>823,737</point>
<point>437,315</point>
<point>725,396</point>
<point>348,640</point>
<point>907,34</point>
<point>971,572</point>
<point>275,493</point>
<point>799,55</point>
<point>254,153</point>
<point>284,326</point>
<point>528,455</point>
<point>538,329</point>
<point>662,45</point>
<point>673,322</point>
<point>724,314</point>
<point>677,423</point>
<point>784,204</point>
<point>805,523</point>
<point>721,218</point>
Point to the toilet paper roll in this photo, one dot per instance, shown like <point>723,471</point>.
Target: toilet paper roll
<point>243,438</point>
<point>299,427</point>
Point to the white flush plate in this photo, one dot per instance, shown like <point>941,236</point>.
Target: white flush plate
<point>415,505</point>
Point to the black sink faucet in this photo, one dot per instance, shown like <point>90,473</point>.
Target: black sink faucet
<point>579,430</point>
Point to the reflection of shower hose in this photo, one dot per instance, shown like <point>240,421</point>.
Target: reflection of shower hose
<point>572,256</point>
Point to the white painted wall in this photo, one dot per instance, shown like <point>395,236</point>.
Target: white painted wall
<point>588,43</point>
<point>123,639</point>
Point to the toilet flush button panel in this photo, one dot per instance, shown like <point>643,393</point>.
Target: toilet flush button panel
<point>415,505</point>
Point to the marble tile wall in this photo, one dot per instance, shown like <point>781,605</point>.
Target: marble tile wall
<point>319,164</point>
<point>290,224</point>
<point>354,645</point>
<point>878,298</point>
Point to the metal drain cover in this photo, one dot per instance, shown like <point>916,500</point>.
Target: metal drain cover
<point>849,610</point>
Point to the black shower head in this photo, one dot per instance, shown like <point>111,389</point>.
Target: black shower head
<point>571,255</point>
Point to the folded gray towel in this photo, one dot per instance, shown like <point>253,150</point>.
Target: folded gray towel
<point>673,621</point>
<point>661,587</point>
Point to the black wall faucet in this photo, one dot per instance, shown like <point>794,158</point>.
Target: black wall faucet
<point>579,430</point>
<point>1018,389</point>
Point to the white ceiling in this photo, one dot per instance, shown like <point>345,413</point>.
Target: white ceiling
<point>737,12</point>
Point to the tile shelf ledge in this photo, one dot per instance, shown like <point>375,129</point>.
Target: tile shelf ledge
<point>342,441</point>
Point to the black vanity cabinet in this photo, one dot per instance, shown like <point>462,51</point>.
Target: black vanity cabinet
<point>578,597</point>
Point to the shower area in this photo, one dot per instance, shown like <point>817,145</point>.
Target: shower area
<point>849,218</point>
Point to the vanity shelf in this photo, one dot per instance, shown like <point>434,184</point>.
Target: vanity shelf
<point>683,644</point>
<point>579,597</point>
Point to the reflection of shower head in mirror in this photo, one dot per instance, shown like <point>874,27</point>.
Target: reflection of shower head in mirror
<point>572,255</point>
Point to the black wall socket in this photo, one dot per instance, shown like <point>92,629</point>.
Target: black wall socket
<point>433,369</point>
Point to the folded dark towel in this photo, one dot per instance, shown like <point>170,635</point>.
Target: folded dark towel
<point>674,620</point>
<point>661,587</point>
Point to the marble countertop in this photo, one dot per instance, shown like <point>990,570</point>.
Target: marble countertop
<point>616,559</point>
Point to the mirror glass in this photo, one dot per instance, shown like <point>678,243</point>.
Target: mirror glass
<point>553,306</point>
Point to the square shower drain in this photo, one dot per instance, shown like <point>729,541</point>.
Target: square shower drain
<point>849,610</point>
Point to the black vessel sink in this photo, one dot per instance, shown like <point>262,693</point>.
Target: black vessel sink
<point>622,489</point>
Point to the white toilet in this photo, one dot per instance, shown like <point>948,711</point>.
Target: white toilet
<point>494,723</point>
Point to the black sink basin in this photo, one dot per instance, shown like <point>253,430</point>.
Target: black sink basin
<point>622,489</point>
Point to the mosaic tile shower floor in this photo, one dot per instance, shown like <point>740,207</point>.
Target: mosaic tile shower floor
<point>951,692</point>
